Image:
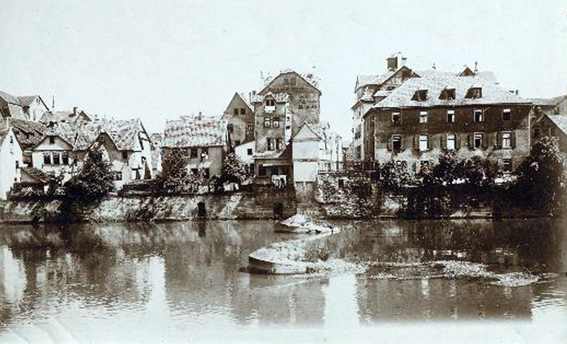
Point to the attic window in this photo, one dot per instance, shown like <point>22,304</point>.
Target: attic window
<point>242,111</point>
<point>474,92</point>
<point>235,111</point>
<point>51,139</point>
<point>420,95</point>
<point>390,88</point>
<point>270,102</point>
<point>448,94</point>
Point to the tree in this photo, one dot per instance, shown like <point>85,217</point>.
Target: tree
<point>477,172</point>
<point>174,172</point>
<point>234,170</point>
<point>93,182</point>
<point>541,177</point>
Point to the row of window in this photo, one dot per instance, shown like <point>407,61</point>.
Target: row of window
<point>506,164</point>
<point>448,94</point>
<point>55,158</point>
<point>194,153</point>
<point>271,123</point>
<point>274,143</point>
<point>478,116</point>
<point>478,140</point>
<point>237,111</point>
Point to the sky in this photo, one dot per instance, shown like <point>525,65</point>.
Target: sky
<point>161,59</point>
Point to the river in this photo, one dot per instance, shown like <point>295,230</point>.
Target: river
<point>424,281</point>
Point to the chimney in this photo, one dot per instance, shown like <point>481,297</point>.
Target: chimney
<point>75,111</point>
<point>395,61</point>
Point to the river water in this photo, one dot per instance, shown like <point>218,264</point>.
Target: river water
<point>427,282</point>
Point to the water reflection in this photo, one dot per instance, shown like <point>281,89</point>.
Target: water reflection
<point>186,275</point>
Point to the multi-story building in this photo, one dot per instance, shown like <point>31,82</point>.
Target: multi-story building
<point>239,116</point>
<point>551,126</point>
<point>202,139</point>
<point>433,112</point>
<point>284,104</point>
<point>10,161</point>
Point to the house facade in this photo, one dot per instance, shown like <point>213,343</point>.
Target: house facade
<point>240,119</point>
<point>551,126</point>
<point>202,139</point>
<point>437,111</point>
<point>11,160</point>
<point>24,108</point>
<point>125,144</point>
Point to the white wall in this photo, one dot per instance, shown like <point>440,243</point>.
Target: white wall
<point>10,153</point>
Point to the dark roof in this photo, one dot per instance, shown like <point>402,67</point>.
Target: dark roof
<point>309,78</point>
<point>28,133</point>
<point>10,99</point>
<point>27,100</point>
<point>560,121</point>
<point>194,131</point>
<point>38,175</point>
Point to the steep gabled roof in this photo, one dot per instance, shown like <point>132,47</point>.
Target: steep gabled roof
<point>367,80</point>
<point>194,131</point>
<point>242,96</point>
<point>38,175</point>
<point>560,121</point>
<point>28,133</point>
<point>308,78</point>
<point>307,128</point>
<point>10,99</point>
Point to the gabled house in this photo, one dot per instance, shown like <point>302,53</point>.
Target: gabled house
<point>28,133</point>
<point>26,108</point>
<point>10,161</point>
<point>440,111</point>
<point>239,116</point>
<point>551,126</point>
<point>202,139</point>
<point>125,143</point>
<point>51,118</point>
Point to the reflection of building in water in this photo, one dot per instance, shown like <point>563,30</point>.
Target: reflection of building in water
<point>386,300</point>
<point>280,300</point>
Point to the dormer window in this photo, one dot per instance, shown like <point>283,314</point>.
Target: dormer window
<point>420,95</point>
<point>270,102</point>
<point>474,92</point>
<point>51,139</point>
<point>447,94</point>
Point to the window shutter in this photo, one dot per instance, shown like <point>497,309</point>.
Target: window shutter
<point>414,143</point>
<point>428,146</point>
<point>457,141</point>
<point>498,143</point>
<point>389,144</point>
<point>443,141</point>
<point>469,141</point>
<point>484,141</point>
<point>513,139</point>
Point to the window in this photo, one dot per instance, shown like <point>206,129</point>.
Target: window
<point>474,92</point>
<point>507,165</point>
<point>396,142</point>
<point>267,123</point>
<point>17,164</point>
<point>447,94</point>
<point>478,140</point>
<point>279,144</point>
<point>423,117</point>
<point>420,95</point>
<point>250,127</point>
<point>242,111</point>
<point>194,171</point>
<point>56,159</point>
<point>230,128</point>
<point>450,116</point>
<point>423,142</point>
<point>46,158</point>
<point>51,139</point>
<point>204,151</point>
<point>262,171</point>
<point>270,144</point>
<point>237,142</point>
<point>506,114</point>
<point>396,117</point>
<point>117,175</point>
<point>193,153</point>
<point>124,155</point>
<point>507,139</point>
<point>478,115</point>
<point>270,102</point>
<point>249,151</point>
<point>235,111</point>
<point>276,123</point>
<point>65,158</point>
<point>451,141</point>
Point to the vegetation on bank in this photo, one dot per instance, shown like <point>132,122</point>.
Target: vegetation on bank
<point>537,186</point>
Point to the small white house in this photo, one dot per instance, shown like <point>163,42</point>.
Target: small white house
<point>10,161</point>
<point>305,154</point>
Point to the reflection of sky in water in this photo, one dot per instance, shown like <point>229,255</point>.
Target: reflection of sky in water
<point>180,282</point>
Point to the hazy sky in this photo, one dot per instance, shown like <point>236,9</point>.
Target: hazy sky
<point>163,59</point>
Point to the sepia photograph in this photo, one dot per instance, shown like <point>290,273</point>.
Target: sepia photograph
<point>251,171</point>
